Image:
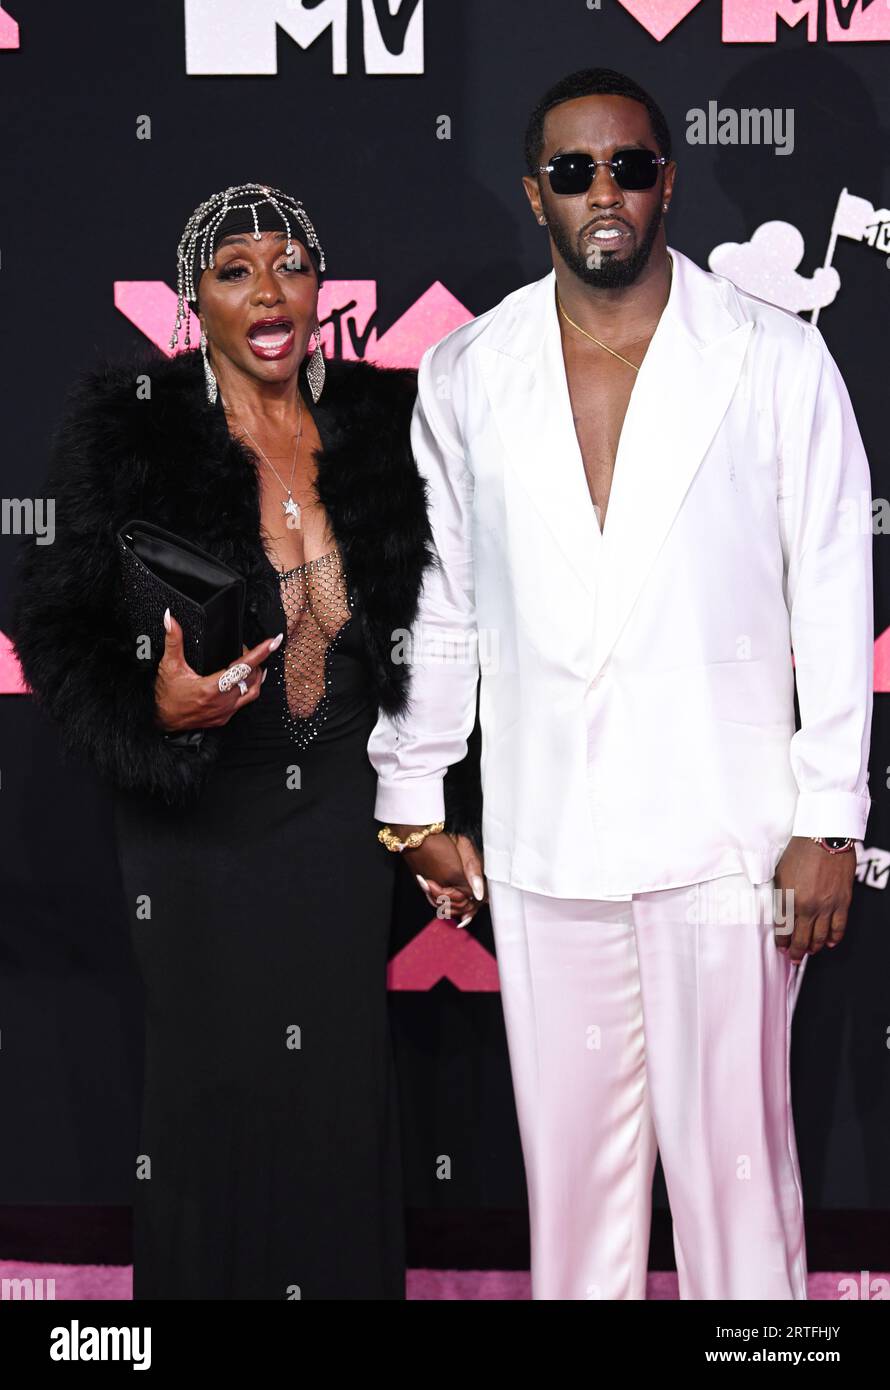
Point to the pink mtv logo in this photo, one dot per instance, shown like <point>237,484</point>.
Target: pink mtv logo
<point>756,21</point>
<point>882,663</point>
<point>12,682</point>
<point>9,31</point>
<point>442,952</point>
<point>346,312</point>
<point>659,16</point>
<point>858,23</point>
<point>846,21</point>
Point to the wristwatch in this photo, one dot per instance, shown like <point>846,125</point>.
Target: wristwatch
<point>832,844</point>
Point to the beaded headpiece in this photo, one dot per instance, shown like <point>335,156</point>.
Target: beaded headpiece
<point>263,210</point>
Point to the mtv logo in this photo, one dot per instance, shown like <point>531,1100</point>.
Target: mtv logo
<point>227,37</point>
<point>757,21</point>
<point>441,952</point>
<point>846,21</point>
<point>347,310</point>
<point>873,867</point>
<point>9,31</point>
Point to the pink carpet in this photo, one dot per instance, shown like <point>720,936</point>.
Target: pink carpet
<point>116,1282</point>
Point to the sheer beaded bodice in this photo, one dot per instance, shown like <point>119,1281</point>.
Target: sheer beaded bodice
<point>319,684</point>
<point>316,606</point>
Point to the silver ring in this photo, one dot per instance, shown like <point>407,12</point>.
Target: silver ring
<point>233,675</point>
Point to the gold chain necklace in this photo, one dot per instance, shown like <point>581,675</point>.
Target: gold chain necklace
<point>596,340</point>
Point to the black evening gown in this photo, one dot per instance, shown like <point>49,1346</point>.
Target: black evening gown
<point>269,1164</point>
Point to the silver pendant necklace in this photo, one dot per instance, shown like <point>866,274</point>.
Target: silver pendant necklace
<point>291,507</point>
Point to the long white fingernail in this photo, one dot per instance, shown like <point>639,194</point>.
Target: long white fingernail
<point>465,920</point>
<point>423,883</point>
<point>167,623</point>
<point>264,675</point>
<point>276,642</point>
<point>478,887</point>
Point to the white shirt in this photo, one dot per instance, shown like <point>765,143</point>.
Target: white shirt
<point>637,686</point>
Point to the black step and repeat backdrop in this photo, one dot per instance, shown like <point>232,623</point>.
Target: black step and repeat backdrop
<point>400,126</point>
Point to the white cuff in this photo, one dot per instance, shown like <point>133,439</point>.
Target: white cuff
<point>417,802</point>
<point>831,813</point>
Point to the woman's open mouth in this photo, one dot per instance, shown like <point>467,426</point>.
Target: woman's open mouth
<point>271,338</point>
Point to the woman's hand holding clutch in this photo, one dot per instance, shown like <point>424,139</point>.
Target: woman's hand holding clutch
<point>184,700</point>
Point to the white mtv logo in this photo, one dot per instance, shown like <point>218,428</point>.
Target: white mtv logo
<point>226,37</point>
<point>873,867</point>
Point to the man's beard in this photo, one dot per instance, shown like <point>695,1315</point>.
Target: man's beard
<point>612,273</point>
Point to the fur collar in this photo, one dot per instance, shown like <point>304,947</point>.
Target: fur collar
<point>138,439</point>
<point>173,461</point>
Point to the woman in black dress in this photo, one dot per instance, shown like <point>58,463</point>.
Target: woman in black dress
<point>259,897</point>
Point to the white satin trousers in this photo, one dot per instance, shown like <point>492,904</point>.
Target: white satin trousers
<point>663,1024</point>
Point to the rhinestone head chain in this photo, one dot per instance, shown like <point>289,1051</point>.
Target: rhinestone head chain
<point>205,220</point>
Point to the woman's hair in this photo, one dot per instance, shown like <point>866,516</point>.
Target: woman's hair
<point>246,207</point>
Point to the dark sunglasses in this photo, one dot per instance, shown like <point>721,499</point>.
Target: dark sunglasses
<point>631,169</point>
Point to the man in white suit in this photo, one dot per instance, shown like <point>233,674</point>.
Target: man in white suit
<point>641,484</point>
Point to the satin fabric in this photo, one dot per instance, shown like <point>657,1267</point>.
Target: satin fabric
<point>658,1024</point>
<point>657,654</point>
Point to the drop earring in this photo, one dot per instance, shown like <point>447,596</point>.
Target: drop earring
<point>209,378</point>
<point>315,371</point>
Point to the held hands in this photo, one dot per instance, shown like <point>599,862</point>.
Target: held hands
<point>447,867</point>
<point>822,885</point>
<point>185,700</point>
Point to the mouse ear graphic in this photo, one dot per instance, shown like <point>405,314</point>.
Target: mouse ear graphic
<point>767,267</point>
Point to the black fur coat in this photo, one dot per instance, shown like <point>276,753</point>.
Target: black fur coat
<point>170,459</point>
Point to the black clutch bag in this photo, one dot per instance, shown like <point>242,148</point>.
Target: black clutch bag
<point>162,570</point>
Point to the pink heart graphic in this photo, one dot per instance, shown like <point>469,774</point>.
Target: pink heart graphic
<point>659,16</point>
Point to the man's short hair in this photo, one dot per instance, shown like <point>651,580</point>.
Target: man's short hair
<point>588,82</point>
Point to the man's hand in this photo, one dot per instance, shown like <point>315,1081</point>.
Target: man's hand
<point>822,885</point>
<point>447,867</point>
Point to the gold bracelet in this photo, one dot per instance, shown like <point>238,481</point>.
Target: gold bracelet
<point>387,837</point>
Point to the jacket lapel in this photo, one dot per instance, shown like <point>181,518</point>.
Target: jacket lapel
<point>525,379</point>
<point>681,394</point>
